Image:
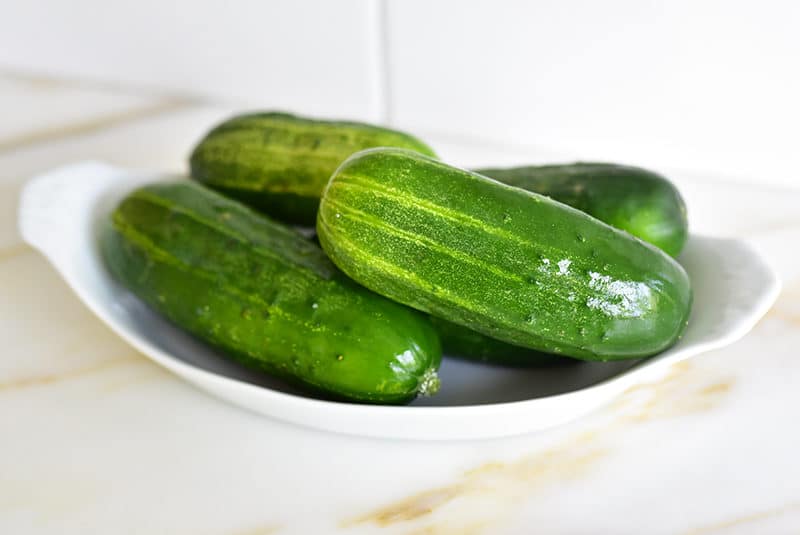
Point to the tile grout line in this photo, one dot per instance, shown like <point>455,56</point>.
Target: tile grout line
<point>88,84</point>
<point>93,125</point>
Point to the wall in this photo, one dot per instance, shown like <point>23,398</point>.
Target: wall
<point>705,85</point>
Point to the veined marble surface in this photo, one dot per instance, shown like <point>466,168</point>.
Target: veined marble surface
<point>94,438</point>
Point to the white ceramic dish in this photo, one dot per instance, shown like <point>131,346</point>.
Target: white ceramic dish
<point>59,215</point>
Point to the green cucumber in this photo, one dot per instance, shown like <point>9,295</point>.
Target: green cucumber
<point>511,264</point>
<point>266,296</point>
<point>279,163</point>
<point>632,199</point>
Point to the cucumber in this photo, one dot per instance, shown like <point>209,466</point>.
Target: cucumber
<point>279,163</point>
<point>266,296</point>
<point>508,263</point>
<point>464,343</point>
<point>635,200</point>
<point>632,199</point>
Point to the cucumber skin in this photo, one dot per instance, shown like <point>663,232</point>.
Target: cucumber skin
<point>508,263</point>
<point>279,163</point>
<point>632,199</point>
<point>266,296</point>
<point>466,344</point>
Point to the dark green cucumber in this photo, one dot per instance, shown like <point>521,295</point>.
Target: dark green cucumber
<point>266,296</point>
<point>635,200</point>
<point>464,343</point>
<point>511,264</point>
<point>279,163</point>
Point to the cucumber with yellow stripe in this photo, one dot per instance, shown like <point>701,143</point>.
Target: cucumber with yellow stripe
<point>632,199</point>
<point>266,296</point>
<point>511,264</point>
<point>279,163</point>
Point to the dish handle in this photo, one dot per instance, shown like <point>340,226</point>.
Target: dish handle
<point>54,205</point>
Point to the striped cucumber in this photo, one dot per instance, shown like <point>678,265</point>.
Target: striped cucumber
<point>635,200</point>
<point>279,163</point>
<point>266,296</point>
<point>511,264</point>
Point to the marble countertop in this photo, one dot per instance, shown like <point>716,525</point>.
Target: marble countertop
<point>94,438</point>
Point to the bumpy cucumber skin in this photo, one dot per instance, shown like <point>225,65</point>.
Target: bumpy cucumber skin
<point>511,264</point>
<point>279,163</point>
<point>266,296</point>
<point>632,199</point>
<point>461,342</point>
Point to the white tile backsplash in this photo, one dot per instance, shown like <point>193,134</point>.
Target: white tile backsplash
<point>710,86</point>
<point>311,56</point>
<point>33,108</point>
